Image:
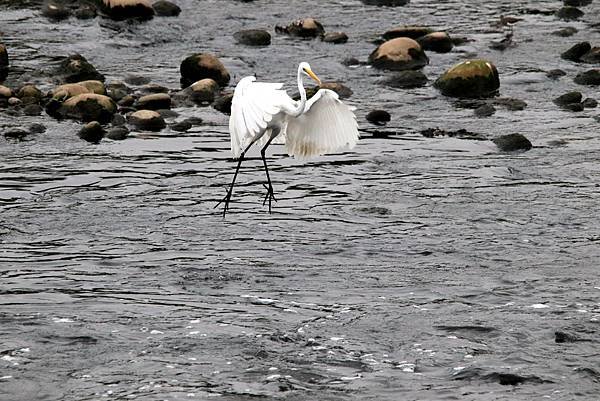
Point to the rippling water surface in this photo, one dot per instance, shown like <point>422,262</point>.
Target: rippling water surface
<point>408,268</point>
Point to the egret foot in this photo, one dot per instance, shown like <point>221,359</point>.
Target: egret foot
<point>269,196</point>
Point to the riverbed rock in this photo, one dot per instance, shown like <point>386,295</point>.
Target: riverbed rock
<point>568,98</point>
<point>485,110</point>
<point>409,31</point>
<point>203,90</point>
<point>575,52</point>
<point>399,54</point>
<point>406,79</point>
<point>147,120</point>
<point>304,28</point>
<point>32,109</point>
<point>512,143</point>
<point>590,103</point>
<point>342,90</point>
<point>117,90</point>
<point>30,94</point>
<point>87,107</point>
<point>165,8</point>
<point>565,32</point>
<point>86,11</point>
<point>573,107</point>
<point>335,37</point>
<point>386,3</point>
<point>181,126</point>
<point>203,65</point>
<point>439,42</point>
<point>568,13</point>
<point>253,37</point>
<point>223,103</point>
<point>117,133</point>
<point>577,3</point>
<point>55,10</point>
<point>127,9</point>
<point>5,92</point>
<point>92,132</point>
<point>154,101</point>
<point>592,56</point>
<point>555,74</point>
<point>14,101</point>
<point>94,86</point>
<point>470,79</point>
<point>76,68</point>
<point>589,77</point>
<point>3,62</point>
<point>63,92</point>
<point>378,117</point>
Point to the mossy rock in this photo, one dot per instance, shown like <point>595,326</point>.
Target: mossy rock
<point>470,79</point>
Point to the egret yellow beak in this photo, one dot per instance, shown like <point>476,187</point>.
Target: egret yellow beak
<point>313,76</point>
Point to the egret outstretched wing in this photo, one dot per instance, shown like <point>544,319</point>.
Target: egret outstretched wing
<point>326,126</point>
<point>252,108</point>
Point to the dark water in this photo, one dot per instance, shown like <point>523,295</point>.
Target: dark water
<point>409,268</point>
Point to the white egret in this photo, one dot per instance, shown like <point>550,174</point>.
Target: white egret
<point>262,112</point>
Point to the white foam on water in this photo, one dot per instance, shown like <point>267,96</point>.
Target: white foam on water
<point>539,306</point>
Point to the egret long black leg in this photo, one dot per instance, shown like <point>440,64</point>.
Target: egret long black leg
<point>227,197</point>
<point>270,194</point>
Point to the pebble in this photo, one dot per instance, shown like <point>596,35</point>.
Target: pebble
<point>378,117</point>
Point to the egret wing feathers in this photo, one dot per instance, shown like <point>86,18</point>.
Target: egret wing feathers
<point>327,125</point>
<point>253,107</point>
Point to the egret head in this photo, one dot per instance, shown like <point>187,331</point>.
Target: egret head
<point>305,69</point>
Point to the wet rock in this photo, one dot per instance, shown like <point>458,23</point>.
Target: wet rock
<point>412,32</point>
<point>399,54</point>
<point>154,101</point>
<point>117,90</point>
<point>504,43</point>
<point>203,65</point>
<point>118,120</point>
<point>335,37</point>
<point>253,37</point>
<point>304,28</point>
<point>94,86</point>
<point>470,79</point>
<point>5,92</point>
<point>181,126</point>
<point>510,103</point>
<point>568,13</point>
<point>573,107</point>
<point>223,103</point>
<point>15,133</point>
<point>32,109</point>
<point>203,90</point>
<point>460,134</point>
<point>117,133</point>
<point>167,113</point>
<point>575,52</point>
<point>14,101</point>
<point>37,128</point>
<point>126,101</point>
<point>87,107</point>
<point>512,143</point>
<point>502,378</point>
<point>30,94</point>
<point>387,3</point>
<point>485,110</point>
<point>342,90</point>
<point>147,120</point>
<point>378,117</point>
<point>439,42</point>
<point>63,92</point>
<point>590,77</point>
<point>565,32</point>
<point>136,80</point>
<point>406,79</point>
<point>555,74</point>
<point>127,9</point>
<point>165,8</point>
<point>351,61</point>
<point>3,62</point>
<point>590,103</point>
<point>76,68</point>
<point>92,132</point>
<point>568,98</point>
<point>577,3</point>
<point>592,56</point>
<point>86,11</point>
<point>55,10</point>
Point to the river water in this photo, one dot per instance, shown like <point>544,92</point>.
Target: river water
<point>408,268</point>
